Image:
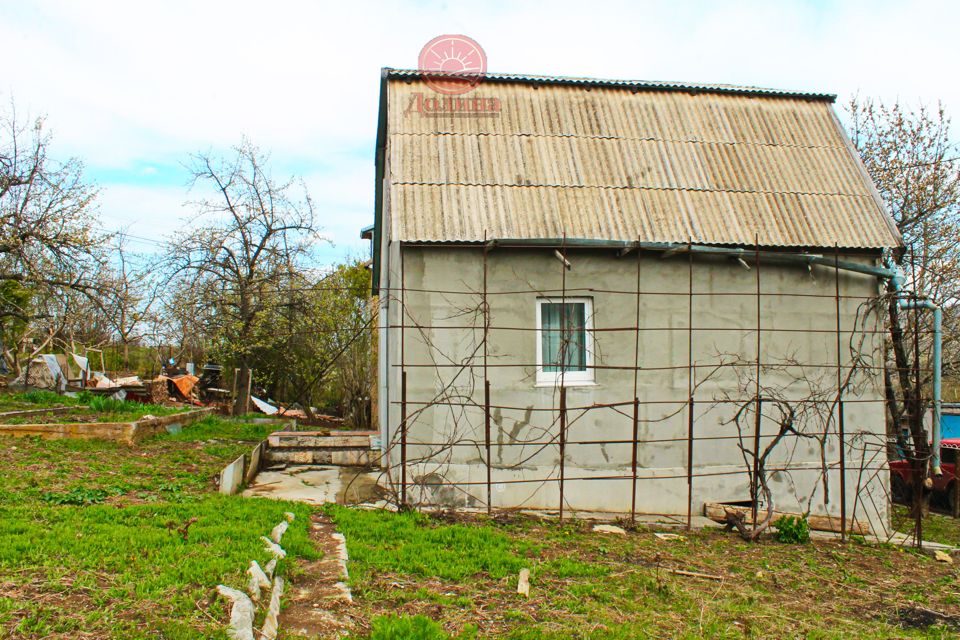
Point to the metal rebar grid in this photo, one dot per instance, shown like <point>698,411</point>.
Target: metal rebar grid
<point>632,433</point>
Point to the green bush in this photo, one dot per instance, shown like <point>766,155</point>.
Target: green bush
<point>414,628</point>
<point>792,530</point>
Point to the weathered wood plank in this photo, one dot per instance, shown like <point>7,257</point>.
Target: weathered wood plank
<point>716,511</point>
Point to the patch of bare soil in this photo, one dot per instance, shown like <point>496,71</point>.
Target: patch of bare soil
<point>917,617</point>
<point>64,602</point>
<point>314,605</point>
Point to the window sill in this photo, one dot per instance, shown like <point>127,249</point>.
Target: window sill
<point>566,383</point>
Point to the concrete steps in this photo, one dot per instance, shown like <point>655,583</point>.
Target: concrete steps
<point>343,448</point>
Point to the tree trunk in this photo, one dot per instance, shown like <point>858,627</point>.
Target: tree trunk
<point>913,413</point>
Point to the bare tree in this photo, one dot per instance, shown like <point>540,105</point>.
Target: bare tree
<point>254,230</point>
<point>133,292</point>
<point>322,340</point>
<point>916,168</point>
<point>50,246</point>
<point>799,401</point>
<point>48,235</point>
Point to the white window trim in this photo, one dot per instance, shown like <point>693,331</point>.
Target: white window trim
<point>567,378</point>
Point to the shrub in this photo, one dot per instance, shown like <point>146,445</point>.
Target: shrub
<point>792,530</point>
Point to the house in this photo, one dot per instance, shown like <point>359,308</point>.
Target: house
<point>572,274</point>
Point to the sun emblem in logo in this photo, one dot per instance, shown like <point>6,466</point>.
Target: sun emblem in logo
<point>452,64</point>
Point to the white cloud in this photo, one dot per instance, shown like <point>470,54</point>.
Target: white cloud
<point>126,84</point>
<point>144,211</point>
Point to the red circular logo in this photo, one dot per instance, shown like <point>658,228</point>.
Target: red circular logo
<point>452,64</point>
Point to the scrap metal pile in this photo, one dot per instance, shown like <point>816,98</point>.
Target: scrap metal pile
<point>73,372</point>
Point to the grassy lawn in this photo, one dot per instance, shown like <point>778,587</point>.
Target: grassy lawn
<point>590,585</point>
<point>36,399</point>
<point>85,407</point>
<point>937,527</point>
<point>92,542</point>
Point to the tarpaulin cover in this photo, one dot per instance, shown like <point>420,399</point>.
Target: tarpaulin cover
<point>82,362</point>
<point>184,384</point>
<point>55,369</point>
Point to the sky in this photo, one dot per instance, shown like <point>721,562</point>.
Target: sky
<point>134,88</point>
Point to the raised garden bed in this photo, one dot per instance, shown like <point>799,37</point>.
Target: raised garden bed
<point>128,431</point>
<point>16,415</point>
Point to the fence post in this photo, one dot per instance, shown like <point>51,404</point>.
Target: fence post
<point>636,399</point>
<point>486,429</point>
<point>403,438</point>
<point>233,390</point>
<point>840,423</point>
<point>690,374</point>
<point>486,377</point>
<point>956,495</point>
<point>246,406</point>
<point>563,441</point>
<point>633,466</point>
<point>755,483</point>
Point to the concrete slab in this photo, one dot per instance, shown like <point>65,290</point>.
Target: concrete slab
<point>905,540</point>
<point>317,484</point>
<point>254,467</point>
<point>232,476</point>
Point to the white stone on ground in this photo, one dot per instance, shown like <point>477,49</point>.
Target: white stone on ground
<point>609,528</point>
<point>241,614</point>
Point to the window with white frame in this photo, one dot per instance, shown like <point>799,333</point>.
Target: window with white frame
<point>564,341</point>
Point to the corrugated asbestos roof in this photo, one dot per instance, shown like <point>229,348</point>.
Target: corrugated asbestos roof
<point>624,160</point>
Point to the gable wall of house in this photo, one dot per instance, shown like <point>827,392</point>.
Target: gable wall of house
<point>442,288</point>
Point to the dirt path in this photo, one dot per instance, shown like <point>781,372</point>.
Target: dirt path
<point>315,606</point>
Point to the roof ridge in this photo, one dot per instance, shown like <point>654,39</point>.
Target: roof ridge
<point>665,85</point>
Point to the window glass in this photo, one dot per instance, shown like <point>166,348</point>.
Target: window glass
<point>948,456</point>
<point>565,341</point>
<point>563,336</point>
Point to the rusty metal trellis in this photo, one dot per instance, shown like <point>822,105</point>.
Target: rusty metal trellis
<point>564,432</point>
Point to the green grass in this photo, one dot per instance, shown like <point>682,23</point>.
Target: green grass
<point>412,628</point>
<point>36,399</point>
<point>92,540</point>
<point>214,428</point>
<point>937,527</point>
<point>410,543</point>
<point>88,407</point>
<point>588,585</point>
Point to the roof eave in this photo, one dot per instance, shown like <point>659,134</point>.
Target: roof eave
<point>379,152</point>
